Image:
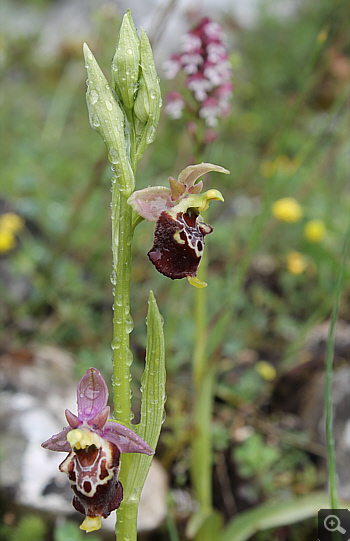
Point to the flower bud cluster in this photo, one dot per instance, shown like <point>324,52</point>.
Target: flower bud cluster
<point>204,60</point>
<point>126,115</point>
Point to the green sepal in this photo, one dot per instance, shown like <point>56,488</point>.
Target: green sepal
<point>149,96</point>
<point>153,399</point>
<point>141,107</point>
<point>126,63</point>
<point>107,118</point>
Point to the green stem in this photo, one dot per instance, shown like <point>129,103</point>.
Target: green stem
<point>122,323</point>
<point>204,378</point>
<point>332,466</point>
<point>122,233</point>
<point>199,357</point>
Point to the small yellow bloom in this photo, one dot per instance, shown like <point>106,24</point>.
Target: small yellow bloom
<point>266,370</point>
<point>296,263</point>
<point>315,230</point>
<point>322,36</point>
<point>283,163</point>
<point>11,222</point>
<point>287,209</point>
<point>267,168</point>
<point>7,241</point>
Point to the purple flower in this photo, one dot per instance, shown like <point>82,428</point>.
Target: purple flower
<point>174,104</point>
<point>180,230</point>
<point>94,446</point>
<point>204,60</point>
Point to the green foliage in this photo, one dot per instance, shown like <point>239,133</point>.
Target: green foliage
<point>68,531</point>
<point>30,528</point>
<point>254,457</point>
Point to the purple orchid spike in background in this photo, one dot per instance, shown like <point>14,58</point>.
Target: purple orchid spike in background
<point>204,61</point>
<point>94,446</point>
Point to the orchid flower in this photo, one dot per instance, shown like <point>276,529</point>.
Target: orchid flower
<point>180,229</point>
<point>94,446</point>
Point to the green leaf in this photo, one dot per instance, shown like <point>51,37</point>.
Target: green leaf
<point>153,398</point>
<point>107,118</point>
<point>273,515</point>
<point>204,526</point>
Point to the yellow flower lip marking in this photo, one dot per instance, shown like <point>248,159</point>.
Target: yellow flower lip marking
<point>194,281</point>
<point>199,202</point>
<point>79,438</point>
<point>90,524</point>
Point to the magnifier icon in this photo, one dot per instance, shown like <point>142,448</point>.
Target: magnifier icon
<point>332,524</point>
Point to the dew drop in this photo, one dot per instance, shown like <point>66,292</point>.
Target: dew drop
<point>93,97</point>
<point>117,381</point>
<point>113,155</point>
<point>153,94</point>
<point>109,105</point>
<point>128,51</point>
<point>113,278</point>
<point>151,135</point>
<point>129,358</point>
<point>129,324</point>
<point>118,408</point>
<point>116,343</point>
<point>91,393</point>
<point>95,121</point>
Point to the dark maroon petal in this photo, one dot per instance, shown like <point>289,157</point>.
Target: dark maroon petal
<point>58,442</point>
<point>125,439</point>
<point>178,244</point>
<point>93,475</point>
<point>99,421</point>
<point>92,394</point>
<point>72,419</point>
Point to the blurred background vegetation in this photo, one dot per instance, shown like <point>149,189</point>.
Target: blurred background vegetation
<point>287,136</point>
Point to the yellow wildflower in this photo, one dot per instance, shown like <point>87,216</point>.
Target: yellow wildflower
<point>267,168</point>
<point>285,165</point>
<point>315,230</point>
<point>7,241</point>
<point>287,209</point>
<point>296,263</point>
<point>266,370</point>
<point>11,222</point>
<point>322,36</point>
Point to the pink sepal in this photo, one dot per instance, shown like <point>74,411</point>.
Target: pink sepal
<point>72,419</point>
<point>188,176</point>
<point>58,442</point>
<point>99,421</point>
<point>150,202</point>
<point>125,439</point>
<point>92,394</point>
